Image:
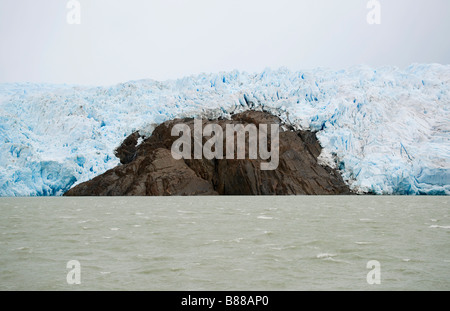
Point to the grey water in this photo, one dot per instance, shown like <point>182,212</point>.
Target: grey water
<point>225,243</point>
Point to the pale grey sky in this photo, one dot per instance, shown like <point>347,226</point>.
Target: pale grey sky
<point>122,40</point>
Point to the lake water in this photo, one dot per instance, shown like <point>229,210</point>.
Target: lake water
<point>226,243</point>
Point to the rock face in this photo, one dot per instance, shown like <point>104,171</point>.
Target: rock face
<point>149,169</point>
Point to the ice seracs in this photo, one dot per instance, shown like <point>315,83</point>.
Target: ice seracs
<point>386,129</point>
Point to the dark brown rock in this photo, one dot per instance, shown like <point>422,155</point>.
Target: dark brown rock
<point>127,151</point>
<point>150,170</point>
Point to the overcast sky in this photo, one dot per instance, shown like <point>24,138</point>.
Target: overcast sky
<point>122,40</point>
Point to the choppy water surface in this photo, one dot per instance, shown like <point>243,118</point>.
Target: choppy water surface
<point>225,243</point>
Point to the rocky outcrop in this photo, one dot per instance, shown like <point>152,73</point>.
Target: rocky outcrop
<point>149,169</point>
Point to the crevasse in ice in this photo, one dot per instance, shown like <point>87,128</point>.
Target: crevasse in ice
<point>387,130</point>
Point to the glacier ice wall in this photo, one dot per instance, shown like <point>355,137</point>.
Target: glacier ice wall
<point>387,130</point>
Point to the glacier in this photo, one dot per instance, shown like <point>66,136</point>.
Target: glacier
<point>387,130</point>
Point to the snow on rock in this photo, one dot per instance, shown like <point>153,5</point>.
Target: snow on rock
<point>387,130</point>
